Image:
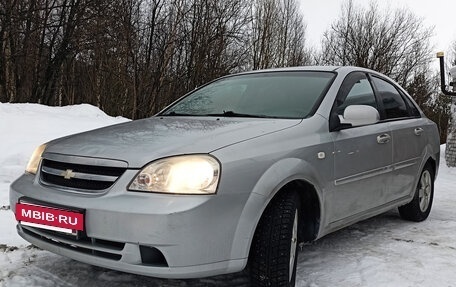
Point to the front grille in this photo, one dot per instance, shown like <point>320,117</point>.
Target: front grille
<point>89,178</point>
<point>96,247</point>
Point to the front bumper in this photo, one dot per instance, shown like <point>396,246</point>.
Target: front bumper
<point>168,236</point>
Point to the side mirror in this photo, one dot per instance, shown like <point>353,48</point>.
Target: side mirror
<point>360,115</point>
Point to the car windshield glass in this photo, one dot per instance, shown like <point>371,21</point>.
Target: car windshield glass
<point>266,95</point>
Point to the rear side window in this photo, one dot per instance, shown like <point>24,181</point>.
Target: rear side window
<point>414,112</point>
<point>393,103</point>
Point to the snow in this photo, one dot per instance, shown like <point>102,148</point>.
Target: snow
<point>382,251</point>
<point>25,126</point>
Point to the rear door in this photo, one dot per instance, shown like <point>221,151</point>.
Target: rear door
<point>408,130</point>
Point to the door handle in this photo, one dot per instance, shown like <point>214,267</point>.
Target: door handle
<point>384,138</point>
<point>418,131</point>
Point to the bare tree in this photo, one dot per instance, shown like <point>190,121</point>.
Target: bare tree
<point>277,34</point>
<point>133,57</point>
<point>453,53</point>
<point>396,43</point>
<point>424,88</point>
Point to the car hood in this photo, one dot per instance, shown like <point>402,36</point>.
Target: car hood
<point>142,141</point>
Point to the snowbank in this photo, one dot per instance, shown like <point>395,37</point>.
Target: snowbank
<point>25,126</point>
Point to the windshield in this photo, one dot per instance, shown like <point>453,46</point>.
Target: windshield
<point>270,95</point>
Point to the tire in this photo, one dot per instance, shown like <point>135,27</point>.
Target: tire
<point>420,206</point>
<point>274,251</point>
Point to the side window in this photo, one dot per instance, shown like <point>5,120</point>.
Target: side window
<point>356,90</point>
<point>413,109</point>
<point>393,103</point>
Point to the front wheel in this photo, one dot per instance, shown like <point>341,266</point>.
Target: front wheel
<point>420,206</point>
<point>274,252</point>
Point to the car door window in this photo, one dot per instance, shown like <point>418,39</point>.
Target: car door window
<point>393,104</point>
<point>413,110</point>
<point>356,90</point>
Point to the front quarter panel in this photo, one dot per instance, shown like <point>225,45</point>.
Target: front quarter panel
<point>270,183</point>
<point>260,168</point>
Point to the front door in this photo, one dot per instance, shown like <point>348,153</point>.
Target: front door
<point>362,157</point>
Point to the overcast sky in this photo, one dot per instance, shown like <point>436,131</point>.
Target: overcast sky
<point>319,14</point>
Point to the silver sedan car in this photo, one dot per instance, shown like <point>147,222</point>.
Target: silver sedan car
<point>233,176</point>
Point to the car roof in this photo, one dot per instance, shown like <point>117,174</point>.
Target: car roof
<point>343,69</point>
<point>340,70</point>
<point>295,69</point>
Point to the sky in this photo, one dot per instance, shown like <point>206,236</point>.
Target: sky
<point>319,14</point>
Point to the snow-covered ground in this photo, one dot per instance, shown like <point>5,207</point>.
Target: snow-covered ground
<point>382,251</point>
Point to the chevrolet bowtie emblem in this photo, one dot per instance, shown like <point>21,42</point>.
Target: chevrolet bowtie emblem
<point>68,174</point>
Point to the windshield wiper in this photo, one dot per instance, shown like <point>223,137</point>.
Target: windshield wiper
<point>173,113</point>
<point>227,114</point>
<point>240,115</point>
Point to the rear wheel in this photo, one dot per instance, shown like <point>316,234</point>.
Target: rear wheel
<point>274,252</point>
<point>420,206</point>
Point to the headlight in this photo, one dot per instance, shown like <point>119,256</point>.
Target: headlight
<point>189,174</point>
<point>34,161</point>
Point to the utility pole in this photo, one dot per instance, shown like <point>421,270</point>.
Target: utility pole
<point>450,152</point>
